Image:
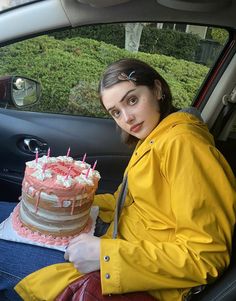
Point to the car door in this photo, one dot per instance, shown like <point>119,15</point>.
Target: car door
<point>23,132</point>
<point>68,65</point>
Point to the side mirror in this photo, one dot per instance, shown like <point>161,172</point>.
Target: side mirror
<point>18,91</point>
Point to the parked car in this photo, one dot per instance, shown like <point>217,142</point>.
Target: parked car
<point>52,53</point>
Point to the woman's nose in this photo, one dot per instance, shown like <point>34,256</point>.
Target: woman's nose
<point>128,117</point>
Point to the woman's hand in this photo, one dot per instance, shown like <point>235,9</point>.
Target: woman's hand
<point>84,252</point>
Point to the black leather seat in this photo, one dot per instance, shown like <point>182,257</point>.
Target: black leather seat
<point>224,289</point>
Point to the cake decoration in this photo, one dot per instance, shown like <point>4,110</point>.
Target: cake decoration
<point>57,195</point>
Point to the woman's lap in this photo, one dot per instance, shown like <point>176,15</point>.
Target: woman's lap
<point>5,210</point>
<point>17,260</point>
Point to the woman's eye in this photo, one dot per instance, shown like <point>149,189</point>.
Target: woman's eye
<point>132,100</point>
<point>115,113</point>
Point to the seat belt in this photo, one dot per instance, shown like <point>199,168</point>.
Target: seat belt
<point>119,205</point>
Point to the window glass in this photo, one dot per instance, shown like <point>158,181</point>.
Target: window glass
<point>181,27</point>
<point>6,4</point>
<point>68,64</point>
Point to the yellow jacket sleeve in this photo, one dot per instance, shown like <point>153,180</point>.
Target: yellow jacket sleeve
<point>107,204</point>
<point>47,283</point>
<point>202,196</point>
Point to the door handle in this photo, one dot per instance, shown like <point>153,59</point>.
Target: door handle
<point>34,145</point>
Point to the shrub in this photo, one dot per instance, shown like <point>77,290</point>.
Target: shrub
<point>153,40</point>
<point>69,71</point>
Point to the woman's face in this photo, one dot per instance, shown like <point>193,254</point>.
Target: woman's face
<point>134,108</point>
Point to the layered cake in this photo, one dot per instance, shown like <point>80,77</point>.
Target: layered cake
<point>57,194</point>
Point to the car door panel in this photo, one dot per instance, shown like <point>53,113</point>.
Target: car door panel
<point>96,137</point>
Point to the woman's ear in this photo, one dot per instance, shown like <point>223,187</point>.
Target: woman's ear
<point>158,89</point>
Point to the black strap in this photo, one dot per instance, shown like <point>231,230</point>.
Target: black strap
<point>119,205</point>
<point>223,118</point>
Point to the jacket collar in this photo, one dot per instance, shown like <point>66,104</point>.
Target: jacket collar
<point>163,127</point>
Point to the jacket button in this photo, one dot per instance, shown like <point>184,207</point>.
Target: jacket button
<point>106,258</point>
<point>107,276</point>
<point>152,141</point>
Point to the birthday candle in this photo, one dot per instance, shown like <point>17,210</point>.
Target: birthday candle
<point>87,172</point>
<point>48,154</point>
<point>84,157</point>
<point>68,152</point>
<point>94,165</point>
<point>36,155</point>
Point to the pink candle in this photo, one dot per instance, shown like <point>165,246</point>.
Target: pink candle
<point>48,154</point>
<point>68,152</point>
<point>37,155</point>
<point>94,165</point>
<point>87,173</point>
<point>84,157</point>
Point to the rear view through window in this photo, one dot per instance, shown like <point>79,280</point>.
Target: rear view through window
<point>68,63</point>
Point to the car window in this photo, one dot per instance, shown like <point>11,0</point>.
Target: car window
<point>7,4</point>
<point>68,63</point>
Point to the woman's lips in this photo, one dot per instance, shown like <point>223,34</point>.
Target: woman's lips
<point>136,128</point>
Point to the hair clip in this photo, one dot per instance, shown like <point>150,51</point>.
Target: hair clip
<point>123,76</point>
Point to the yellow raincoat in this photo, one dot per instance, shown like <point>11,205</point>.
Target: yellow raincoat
<point>176,226</point>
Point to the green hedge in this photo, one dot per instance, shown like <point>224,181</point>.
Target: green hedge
<point>69,71</point>
<point>113,34</point>
<point>169,42</point>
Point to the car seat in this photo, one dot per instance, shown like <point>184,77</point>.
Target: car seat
<point>223,289</point>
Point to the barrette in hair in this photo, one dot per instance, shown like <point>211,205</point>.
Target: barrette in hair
<point>123,76</point>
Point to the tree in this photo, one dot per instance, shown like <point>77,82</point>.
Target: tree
<point>133,32</point>
<point>219,35</point>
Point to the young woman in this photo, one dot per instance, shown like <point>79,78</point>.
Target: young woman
<point>175,229</point>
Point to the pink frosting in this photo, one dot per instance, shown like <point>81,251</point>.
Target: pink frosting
<point>43,238</point>
<point>62,168</point>
<point>51,186</point>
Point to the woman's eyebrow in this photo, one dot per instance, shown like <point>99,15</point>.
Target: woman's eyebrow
<point>122,98</point>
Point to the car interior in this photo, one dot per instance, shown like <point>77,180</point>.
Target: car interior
<point>23,129</point>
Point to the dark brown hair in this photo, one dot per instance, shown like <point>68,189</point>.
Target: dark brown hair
<point>142,74</point>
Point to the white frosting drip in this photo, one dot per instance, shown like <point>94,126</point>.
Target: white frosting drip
<point>54,198</point>
<point>57,216</point>
<point>51,227</point>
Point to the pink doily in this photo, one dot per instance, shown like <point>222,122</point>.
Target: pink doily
<point>43,238</point>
